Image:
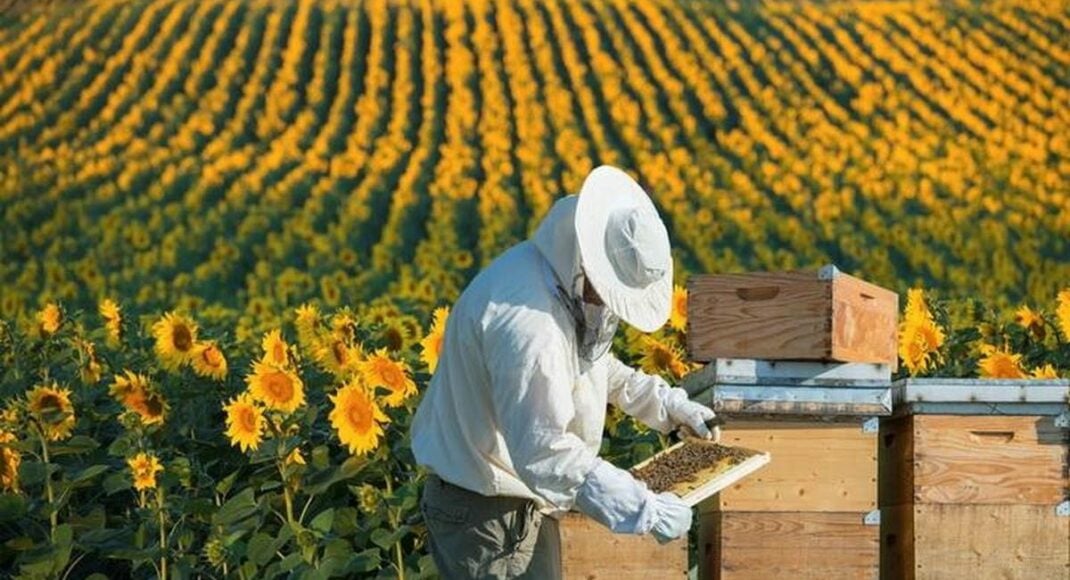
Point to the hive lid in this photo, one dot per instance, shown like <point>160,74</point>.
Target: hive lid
<point>750,371</point>
<point>713,479</point>
<point>981,396</point>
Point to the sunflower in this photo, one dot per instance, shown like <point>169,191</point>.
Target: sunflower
<point>1000,363</point>
<point>337,357</point>
<point>10,459</point>
<point>90,370</point>
<point>678,316</point>
<point>49,319</point>
<point>1062,313</point>
<point>379,370</point>
<point>51,407</point>
<point>1030,320</point>
<point>134,392</point>
<point>357,418</point>
<point>308,325</point>
<point>113,320</point>
<point>277,388</point>
<point>275,348</point>
<point>432,343</point>
<point>1045,372</point>
<point>245,422</point>
<point>397,334</point>
<point>920,338</point>
<point>660,357</point>
<point>144,467</point>
<point>368,498</point>
<point>208,360</point>
<point>175,337</point>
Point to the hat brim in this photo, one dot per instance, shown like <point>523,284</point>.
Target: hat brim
<point>604,191</point>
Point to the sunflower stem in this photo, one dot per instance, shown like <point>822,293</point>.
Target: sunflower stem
<point>163,534</point>
<point>52,515</point>
<point>395,517</point>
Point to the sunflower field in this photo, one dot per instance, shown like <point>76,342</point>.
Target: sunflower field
<point>232,231</point>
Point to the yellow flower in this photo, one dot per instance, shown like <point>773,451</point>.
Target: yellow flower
<point>337,357</point>
<point>1000,364</point>
<point>356,418</point>
<point>245,422</point>
<point>49,319</point>
<point>144,467</point>
<point>134,392</point>
<point>660,357</point>
<point>678,316</point>
<point>1045,372</point>
<point>368,498</point>
<point>91,370</point>
<point>379,370</point>
<point>1062,313</point>
<point>275,387</point>
<point>175,336</point>
<point>295,457</point>
<point>396,334</point>
<point>920,338</point>
<point>432,343</point>
<point>208,360</point>
<point>308,323</point>
<point>10,459</point>
<point>113,320</point>
<point>275,348</point>
<point>51,407</point>
<point>1030,320</point>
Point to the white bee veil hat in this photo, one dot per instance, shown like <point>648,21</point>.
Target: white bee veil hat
<point>624,248</point>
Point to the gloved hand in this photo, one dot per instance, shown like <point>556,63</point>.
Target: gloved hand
<point>673,517</point>
<point>690,414</point>
<point>615,499</point>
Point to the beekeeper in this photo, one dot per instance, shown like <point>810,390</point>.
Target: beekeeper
<point>512,422</point>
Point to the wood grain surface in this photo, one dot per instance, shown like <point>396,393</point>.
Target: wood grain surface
<point>589,551</point>
<point>814,467</point>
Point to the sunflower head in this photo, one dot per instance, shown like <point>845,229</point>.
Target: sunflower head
<point>1062,313</point>
<point>661,357</point>
<point>51,407</point>
<point>356,418</point>
<point>999,363</point>
<point>208,360</point>
<point>277,388</point>
<point>175,336</point>
<point>245,422</point>
<point>113,319</point>
<point>1045,372</point>
<point>10,459</point>
<point>144,468</point>
<point>308,326</point>
<point>432,343</point>
<point>1030,320</point>
<point>678,315</point>
<point>379,370</point>
<point>135,392</point>
<point>919,344</point>
<point>276,351</point>
<point>49,319</point>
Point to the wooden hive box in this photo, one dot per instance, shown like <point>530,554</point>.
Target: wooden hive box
<point>589,551</point>
<point>796,315</point>
<point>808,514</point>
<point>974,480</point>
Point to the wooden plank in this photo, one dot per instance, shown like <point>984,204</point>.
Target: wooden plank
<point>981,542</point>
<point>896,461</point>
<point>897,542</point>
<point>589,551</point>
<point>798,545</point>
<point>989,460</point>
<point>814,467</point>
<point>864,321</point>
<point>781,315</point>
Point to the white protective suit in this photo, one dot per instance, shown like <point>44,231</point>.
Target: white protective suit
<point>513,410</point>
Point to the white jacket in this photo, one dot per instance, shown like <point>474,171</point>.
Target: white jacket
<point>512,409</point>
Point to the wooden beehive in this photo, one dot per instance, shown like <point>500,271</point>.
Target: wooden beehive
<point>589,551</point>
<point>976,488</point>
<point>798,315</point>
<point>809,514</point>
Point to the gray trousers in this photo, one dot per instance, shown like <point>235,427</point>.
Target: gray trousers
<point>475,536</point>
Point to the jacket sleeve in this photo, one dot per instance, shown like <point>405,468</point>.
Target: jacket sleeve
<point>645,397</point>
<point>529,360</point>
